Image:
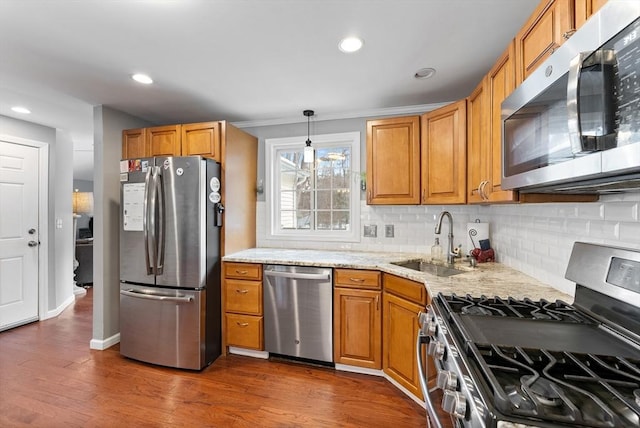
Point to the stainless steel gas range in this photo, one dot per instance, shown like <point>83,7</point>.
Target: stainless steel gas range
<point>503,362</point>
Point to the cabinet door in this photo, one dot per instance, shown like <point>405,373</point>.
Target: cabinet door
<point>478,147</point>
<point>400,330</point>
<point>357,327</point>
<point>164,140</point>
<point>444,155</point>
<point>585,8</point>
<point>547,28</point>
<point>500,84</point>
<point>393,161</point>
<point>134,144</point>
<point>201,139</point>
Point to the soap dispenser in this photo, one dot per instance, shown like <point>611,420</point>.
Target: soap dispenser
<point>436,251</point>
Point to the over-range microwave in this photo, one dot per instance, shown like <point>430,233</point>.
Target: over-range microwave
<point>573,126</point>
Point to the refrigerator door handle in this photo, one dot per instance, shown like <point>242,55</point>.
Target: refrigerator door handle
<point>153,213</point>
<point>160,244</point>
<point>145,219</point>
<point>179,299</point>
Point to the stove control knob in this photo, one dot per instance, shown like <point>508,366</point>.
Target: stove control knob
<point>432,325</point>
<point>436,349</point>
<point>454,403</point>
<point>447,380</point>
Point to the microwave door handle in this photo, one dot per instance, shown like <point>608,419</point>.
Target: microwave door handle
<point>573,108</point>
<point>146,206</point>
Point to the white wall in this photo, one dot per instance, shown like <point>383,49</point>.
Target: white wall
<point>108,125</point>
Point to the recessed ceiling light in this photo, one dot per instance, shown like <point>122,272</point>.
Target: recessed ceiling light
<point>22,110</point>
<point>142,78</point>
<point>425,73</point>
<point>350,44</point>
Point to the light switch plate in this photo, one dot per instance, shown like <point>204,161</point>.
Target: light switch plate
<point>370,231</point>
<point>388,231</point>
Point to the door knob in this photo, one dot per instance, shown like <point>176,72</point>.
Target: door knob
<point>33,244</point>
<point>32,231</point>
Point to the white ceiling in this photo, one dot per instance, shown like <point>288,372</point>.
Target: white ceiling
<point>240,60</point>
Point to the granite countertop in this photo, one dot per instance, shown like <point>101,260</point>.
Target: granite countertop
<point>490,279</point>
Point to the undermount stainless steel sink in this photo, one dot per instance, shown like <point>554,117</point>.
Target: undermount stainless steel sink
<point>433,269</point>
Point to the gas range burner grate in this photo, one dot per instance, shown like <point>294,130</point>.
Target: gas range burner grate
<point>562,387</point>
<point>514,308</point>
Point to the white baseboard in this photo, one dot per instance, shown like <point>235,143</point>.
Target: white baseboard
<point>248,352</point>
<point>361,370</point>
<point>57,311</point>
<point>101,345</point>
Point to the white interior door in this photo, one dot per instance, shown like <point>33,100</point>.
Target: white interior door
<point>19,235</point>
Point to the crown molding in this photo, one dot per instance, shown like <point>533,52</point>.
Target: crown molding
<point>354,114</point>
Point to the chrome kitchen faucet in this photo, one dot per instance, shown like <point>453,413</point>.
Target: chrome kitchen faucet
<point>451,255</point>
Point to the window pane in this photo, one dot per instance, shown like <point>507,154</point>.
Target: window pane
<point>341,220</point>
<point>323,220</point>
<point>287,219</point>
<point>304,200</point>
<point>323,199</point>
<point>303,220</point>
<point>341,199</point>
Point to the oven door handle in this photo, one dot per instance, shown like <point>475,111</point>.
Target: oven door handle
<point>422,341</point>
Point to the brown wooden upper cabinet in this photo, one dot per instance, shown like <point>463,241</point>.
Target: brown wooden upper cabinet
<point>548,27</point>
<point>163,140</point>
<point>173,140</point>
<point>201,139</point>
<point>444,155</point>
<point>134,143</point>
<point>478,147</point>
<point>585,8</point>
<point>393,161</point>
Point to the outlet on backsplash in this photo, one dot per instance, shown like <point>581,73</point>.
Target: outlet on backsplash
<point>370,231</point>
<point>388,231</point>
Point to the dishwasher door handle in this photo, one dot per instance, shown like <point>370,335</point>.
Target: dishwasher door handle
<point>294,275</point>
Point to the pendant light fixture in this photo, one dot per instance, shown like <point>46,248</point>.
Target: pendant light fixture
<point>308,150</point>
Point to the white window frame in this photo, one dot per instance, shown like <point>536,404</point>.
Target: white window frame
<point>272,171</point>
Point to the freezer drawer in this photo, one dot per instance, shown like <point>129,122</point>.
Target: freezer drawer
<point>163,326</point>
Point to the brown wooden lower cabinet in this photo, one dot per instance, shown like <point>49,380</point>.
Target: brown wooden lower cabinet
<point>399,330</point>
<point>357,327</point>
<point>242,305</point>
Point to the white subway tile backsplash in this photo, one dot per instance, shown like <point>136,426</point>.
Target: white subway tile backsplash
<point>536,239</point>
<point>621,211</point>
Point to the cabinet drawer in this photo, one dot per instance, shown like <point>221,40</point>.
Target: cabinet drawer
<point>243,296</point>
<point>411,290</point>
<point>244,331</point>
<point>355,278</point>
<point>243,271</point>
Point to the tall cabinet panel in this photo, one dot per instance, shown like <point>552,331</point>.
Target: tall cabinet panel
<point>393,161</point>
<point>444,155</point>
<point>478,148</point>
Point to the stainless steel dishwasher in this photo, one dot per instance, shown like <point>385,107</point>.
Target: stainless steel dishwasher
<point>298,312</point>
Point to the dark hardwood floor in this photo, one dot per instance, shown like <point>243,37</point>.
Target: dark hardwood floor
<point>50,378</point>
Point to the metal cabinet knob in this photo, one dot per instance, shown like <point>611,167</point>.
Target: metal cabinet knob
<point>454,403</point>
<point>33,243</point>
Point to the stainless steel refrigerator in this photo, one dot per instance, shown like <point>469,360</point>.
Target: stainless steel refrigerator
<point>170,218</point>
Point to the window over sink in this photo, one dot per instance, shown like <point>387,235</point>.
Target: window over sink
<point>318,200</point>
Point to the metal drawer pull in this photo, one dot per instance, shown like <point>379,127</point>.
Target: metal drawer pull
<point>242,291</point>
<point>181,299</point>
<point>241,272</point>
<point>356,279</point>
<point>242,324</point>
